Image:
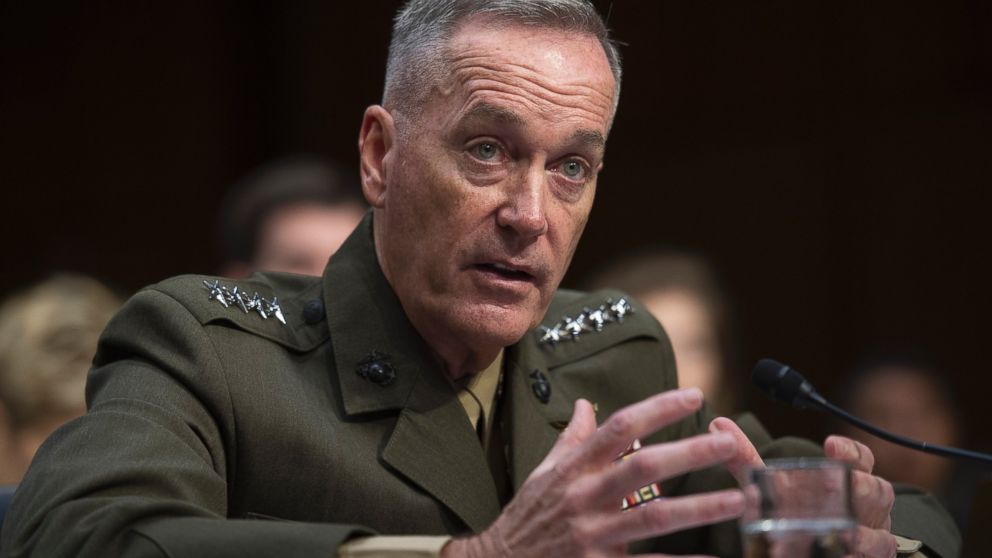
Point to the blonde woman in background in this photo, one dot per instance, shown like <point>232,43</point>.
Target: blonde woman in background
<point>48,336</point>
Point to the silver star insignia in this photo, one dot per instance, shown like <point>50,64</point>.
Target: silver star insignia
<point>238,298</point>
<point>598,317</point>
<point>575,328</point>
<point>256,304</point>
<point>621,308</point>
<point>216,292</point>
<point>275,310</point>
<point>588,320</point>
<point>227,297</point>
<point>550,335</point>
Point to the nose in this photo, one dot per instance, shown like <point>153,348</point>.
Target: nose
<point>523,211</point>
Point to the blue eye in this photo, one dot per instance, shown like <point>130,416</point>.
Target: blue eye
<point>486,151</point>
<point>572,168</point>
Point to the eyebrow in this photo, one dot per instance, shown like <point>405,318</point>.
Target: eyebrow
<point>492,112</point>
<point>592,138</point>
<point>486,111</point>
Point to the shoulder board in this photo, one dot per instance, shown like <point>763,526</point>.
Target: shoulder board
<point>580,324</point>
<point>281,307</point>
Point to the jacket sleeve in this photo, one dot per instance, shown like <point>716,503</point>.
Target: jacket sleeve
<point>917,515</point>
<point>146,471</point>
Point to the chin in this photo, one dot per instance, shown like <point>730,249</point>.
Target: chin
<point>497,324</point>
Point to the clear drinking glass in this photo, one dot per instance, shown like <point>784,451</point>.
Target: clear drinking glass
<point>799,508</point>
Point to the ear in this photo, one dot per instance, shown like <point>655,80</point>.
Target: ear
<point>375,141</point>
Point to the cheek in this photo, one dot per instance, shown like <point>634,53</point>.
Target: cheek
<point>566,230</point>
<point>431,196</point>
<point>578,213</point>
<point>432,203</point>
<point>448,194</point>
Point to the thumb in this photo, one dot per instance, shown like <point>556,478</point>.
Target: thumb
<point>746,456</point>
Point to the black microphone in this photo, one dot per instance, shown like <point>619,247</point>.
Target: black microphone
<point>782,383</point>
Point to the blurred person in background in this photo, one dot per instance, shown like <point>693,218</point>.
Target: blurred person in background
<point>682,291</point>
<point>907,396</point>
<point>289,215</point>
<point>48,336</point>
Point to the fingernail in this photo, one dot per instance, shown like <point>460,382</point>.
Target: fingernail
<point>723,442</point>
<point>863,489</point>
<point>716,426</point>
<point>850,450</point>
<point>692,397</point>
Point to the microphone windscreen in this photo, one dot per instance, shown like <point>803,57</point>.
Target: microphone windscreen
<point>780,382</point>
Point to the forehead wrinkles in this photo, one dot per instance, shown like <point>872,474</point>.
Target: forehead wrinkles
<point>477,72</point>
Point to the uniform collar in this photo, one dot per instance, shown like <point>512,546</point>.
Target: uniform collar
<point>432,444</point>
<point>365,316</point>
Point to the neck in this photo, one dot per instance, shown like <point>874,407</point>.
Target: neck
<point>458,364</point>
<point>457,356</point>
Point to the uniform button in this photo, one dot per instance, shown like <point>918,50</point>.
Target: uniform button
<point>541,387</point>
<point>313,311</point>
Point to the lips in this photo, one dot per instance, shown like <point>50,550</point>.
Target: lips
<point>506,271</point>
<point>507,280</point>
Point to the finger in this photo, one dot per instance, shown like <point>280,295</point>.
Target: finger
<point>873,499</point>
<point>745,457</point>
<point>662,516</point>
<point>648,465</point>
<point>634,421</point>
<point>580,427</point>
<point>845,449</point>
<point>874,543</point>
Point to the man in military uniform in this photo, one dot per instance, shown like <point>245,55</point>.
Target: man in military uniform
<point>433,382</point>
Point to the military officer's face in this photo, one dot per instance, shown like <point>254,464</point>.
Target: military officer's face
<point>486,190</point>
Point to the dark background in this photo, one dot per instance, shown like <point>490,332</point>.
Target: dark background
<point>831,157</point>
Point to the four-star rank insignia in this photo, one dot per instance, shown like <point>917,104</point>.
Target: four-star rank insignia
<point>644,494</point>
<point>229,297</point>
<point>590,320</point>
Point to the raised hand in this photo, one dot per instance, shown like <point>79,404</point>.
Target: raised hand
<point>570,504</point>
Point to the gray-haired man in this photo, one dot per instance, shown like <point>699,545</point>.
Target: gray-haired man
<point>421,386</point>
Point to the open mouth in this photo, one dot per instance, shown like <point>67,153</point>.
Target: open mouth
<point>504,271</point>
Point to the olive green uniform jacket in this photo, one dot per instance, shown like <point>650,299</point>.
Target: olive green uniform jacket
<point>214,432</point>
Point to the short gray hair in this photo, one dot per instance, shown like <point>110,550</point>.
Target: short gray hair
<point>423,28</point>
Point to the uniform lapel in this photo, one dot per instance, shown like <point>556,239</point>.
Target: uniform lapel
<point>531,426</point>
<point>364,315</point>
<point>432,444</point>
